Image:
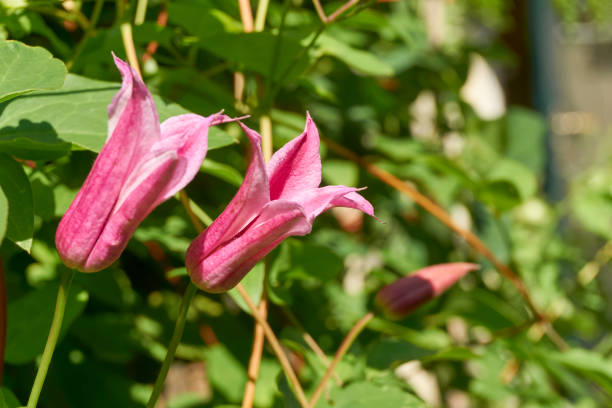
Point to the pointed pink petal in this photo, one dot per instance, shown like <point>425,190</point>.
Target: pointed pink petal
<point>354,200</point>
<point>129,212</point>
<point>319,200</point>
<point>187,135</point>
<point>408,293</point>
<point>246,205</point>
<point>297,165</point>
<point>135,127</point>
<point>226,266</point>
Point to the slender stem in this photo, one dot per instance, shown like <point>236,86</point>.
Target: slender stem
<point>276,347</point>
<point>446,219</point>
<point>344,346</point>
<point>95,16</point>
<point>54,332</point>
<point>265,127</point>
<point>319,9</point>
<point>128,44</point>
<point>174,342</point>
<point>246,15</point>
<point>187,203</point>
<point>260,16</point>
<point>141,12</point>
<point>311,342</point>
<point>77,17</point>
<point>255,359</point>
<point>2,320</point>
<point>341,10</point>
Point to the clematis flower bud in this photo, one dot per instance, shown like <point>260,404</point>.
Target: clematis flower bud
<point>408,293</point>
<point>275,201</point>
<point>141,165</point>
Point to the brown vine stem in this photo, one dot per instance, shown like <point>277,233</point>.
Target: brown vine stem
<point>3,304</point>
<point>265,124</point>
<point>446,219</point>
<point>276,347</point>
<point>246,15</point>
<point>260,318</point>
<point>310,341</point>
<point>328,19</point>
<point>344,346</point>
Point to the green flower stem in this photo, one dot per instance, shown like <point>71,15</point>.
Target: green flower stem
<point>141,12</point>
<point>54,332</point>
<point>174,342</point>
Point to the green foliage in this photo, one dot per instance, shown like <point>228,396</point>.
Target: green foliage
<point>26,69</point>
<point>377,81</point>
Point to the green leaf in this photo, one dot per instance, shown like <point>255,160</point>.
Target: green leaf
<point>519,175</point>
<point>253,283</point>
<point>258,52</point>
<point>362,61</point>
<point>29,320</point>
<point>367,395</point>
<point>8,399</point>
<point>341,172</point>
<point>77,114</point>
<point>526,138</point>
<point>25,69</point>
<point>223,171</point>
<point>590,363</point>
<point>225,372</point>
<point>18,193</point>
<point>591,201</point>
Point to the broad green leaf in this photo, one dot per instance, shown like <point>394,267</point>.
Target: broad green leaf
<point>392,352</point>
<point>253,283</point>
<point>526,132</point>
<point>18,193</point>
<point>590,363</point>
<point>591,201</point>
<point>362,61</point>
<point>8,399</point>
<point>225,372</point>
<point>199,18</point>
<point>223,171</point>
<point>76,113</point>
<point>519,175</point>
<point>341,172</point>
<point>111,337</point>
<point>260,52</point>
<point>367,395</point>
<point>25,69</point>
<point>29,319</point>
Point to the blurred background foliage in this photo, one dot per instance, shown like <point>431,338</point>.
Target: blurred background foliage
<point>499,111</point>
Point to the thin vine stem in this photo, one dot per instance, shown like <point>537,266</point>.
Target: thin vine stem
<point>344,346</point>
<point>54,332</point>
<point>93,22</point>
<point>177,334</point>
<point>276,347</point>
<point>446,219</point>
<point>269,333</point>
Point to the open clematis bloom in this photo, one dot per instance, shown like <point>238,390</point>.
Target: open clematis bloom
<point>141,165</point>
<point>408,293</point>
<point>276,201</point>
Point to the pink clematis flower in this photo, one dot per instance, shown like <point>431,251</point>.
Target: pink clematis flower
<point>408,293</point>
<point>276,201</point>
<point>141,165</point>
